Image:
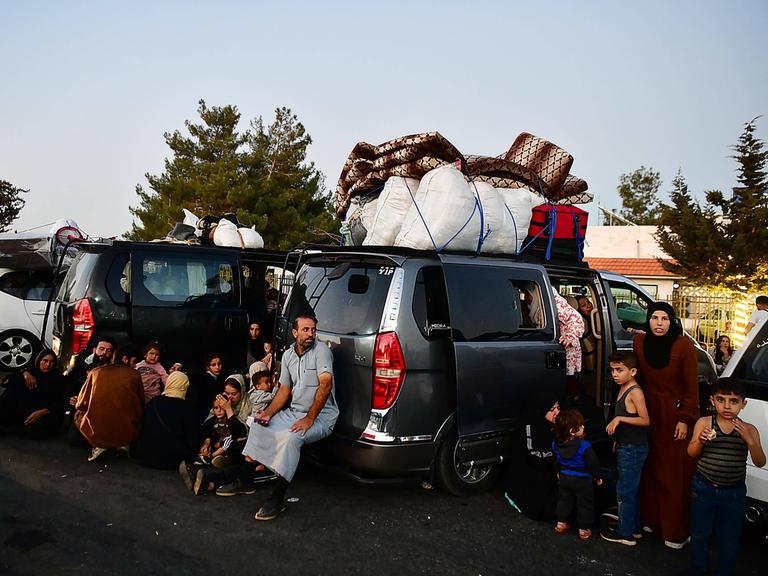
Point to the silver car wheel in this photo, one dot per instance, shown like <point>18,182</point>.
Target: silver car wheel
<point>16,350</point>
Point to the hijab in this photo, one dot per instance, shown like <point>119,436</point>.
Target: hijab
<point>176,385</point>
<point>657,349</point>
<point>243,408</point>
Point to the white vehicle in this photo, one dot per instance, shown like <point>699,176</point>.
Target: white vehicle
<point>23,298</point>
<point>750,365</point>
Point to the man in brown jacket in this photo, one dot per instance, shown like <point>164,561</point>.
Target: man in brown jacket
<point>110,406</point>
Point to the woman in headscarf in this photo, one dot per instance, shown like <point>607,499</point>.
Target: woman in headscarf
<point>170,430</point>
<point>234,390</point>
<point>668,375</point>
<point>205,387</point>
<point>256,350</point>
<point>531,482</point>
<point>35,411</point>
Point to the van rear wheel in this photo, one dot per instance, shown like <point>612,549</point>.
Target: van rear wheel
<point>461,478</point>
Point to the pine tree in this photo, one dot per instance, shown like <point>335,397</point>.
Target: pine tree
<point>639,196</point>
<point>11,203</point>
<point>259,175</point>
<point>724,244</point>
<point>692,236</point>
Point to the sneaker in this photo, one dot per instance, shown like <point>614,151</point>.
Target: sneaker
<point>612,513</point>
<point>271,509</point>
<point>264,476</point>
<point>637,535</point>
<point>124,450</point>
<point>220,461</point>
<point>647,529</point>
<point>187,473</point>
<point>96,453</point>
<point>201,484</point>
<point>611,535</point>
<point>676,545</point>
<point>235,488</point>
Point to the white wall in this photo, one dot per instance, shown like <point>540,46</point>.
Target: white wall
<point>622,242</point>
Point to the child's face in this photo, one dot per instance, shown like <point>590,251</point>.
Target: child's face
<point>152,356</point>
<point>218,411</point>
<point>263,384</point>
<point>268,347</point>
<point>214,367</point>
<point>728,406</point>
<point>621,374</point>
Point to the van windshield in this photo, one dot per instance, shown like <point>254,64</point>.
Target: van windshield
<point>78,277</point>
<point>346,297</point>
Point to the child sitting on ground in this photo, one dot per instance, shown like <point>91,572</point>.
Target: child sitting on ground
<point>216,438</point>
<point>153,374</point>
<point>629,429</point>
<point>577,465</point>
<point>721,443</point>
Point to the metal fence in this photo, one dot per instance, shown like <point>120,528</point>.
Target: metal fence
<point>708,314</point>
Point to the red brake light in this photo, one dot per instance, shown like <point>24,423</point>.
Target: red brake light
<point>388,370</point>
<point>82,325</point>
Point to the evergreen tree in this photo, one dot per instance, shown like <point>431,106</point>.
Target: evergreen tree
<point>11,203</point>
<point>259,175</point>
<point>692,236</point>
<point>726,243</point>
<point>639,196</point>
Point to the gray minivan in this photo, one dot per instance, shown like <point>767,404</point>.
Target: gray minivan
<point>435,355</point>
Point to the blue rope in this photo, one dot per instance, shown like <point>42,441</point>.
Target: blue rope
<point>514,224</point>
<point>418,210</point>
<point>483,235</point>
<point>553,215</point>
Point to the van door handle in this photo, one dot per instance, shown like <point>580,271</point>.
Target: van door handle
<point>555,359</point>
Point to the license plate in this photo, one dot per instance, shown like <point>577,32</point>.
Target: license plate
<point>56,345</point>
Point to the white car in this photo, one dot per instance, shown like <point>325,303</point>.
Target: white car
<point>750,365</point>
<point>23,299</point>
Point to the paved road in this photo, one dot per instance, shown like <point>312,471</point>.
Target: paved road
<point>61,515</point>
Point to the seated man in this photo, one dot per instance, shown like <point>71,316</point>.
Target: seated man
<point>304,410</point>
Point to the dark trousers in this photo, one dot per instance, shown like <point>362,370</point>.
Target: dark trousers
<point>716,512</point>
<point>576,491</point>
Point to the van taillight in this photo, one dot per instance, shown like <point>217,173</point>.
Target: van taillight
<point>82,324</point>
<point>388,370</point>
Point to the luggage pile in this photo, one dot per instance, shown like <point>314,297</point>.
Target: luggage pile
<point>420,191</point>
<point>224,230</point>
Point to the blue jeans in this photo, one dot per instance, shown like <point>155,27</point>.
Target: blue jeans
<point>629,461</point>
<point>717,511</point>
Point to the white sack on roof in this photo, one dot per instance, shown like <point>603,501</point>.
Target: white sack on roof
<point>444,215</point>
<point>189,218</point>
<point>228,234</point>
<point>520,202</point>
<point>498,229</point>
<point>394,202</point>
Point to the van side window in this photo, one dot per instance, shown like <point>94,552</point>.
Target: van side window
<point>495,304</point>
<point>631,305</point>
<point>753,366</point>
<point>206,282</point>
<point>430,302</point>
<point>119,279</point>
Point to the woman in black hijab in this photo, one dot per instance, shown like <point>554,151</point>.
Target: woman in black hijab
<point>38,411</point>
<point>668,375</point>
<point>531,483</point>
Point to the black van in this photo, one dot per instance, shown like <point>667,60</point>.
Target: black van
<point>190,299</point>
<point>436,354</point>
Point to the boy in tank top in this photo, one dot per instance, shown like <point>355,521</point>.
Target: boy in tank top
<point>721,443</point>
<point>629,429</point>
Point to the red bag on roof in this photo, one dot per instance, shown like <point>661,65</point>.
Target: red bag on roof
<point>557,230</point>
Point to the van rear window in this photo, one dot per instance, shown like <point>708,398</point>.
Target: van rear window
<point>78,277</point>
<point>346,297</point>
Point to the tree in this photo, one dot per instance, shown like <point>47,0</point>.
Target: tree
<point>639,196</point>
<point>260,175</point>
<point>692,236</point>
<point>11,203</point>
<point>726,243</point>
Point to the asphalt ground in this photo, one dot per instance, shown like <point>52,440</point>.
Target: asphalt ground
<point>60,515</point>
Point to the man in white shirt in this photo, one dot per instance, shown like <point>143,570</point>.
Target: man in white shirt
<point>759,315</point>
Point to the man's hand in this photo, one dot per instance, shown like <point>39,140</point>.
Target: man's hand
<point>302,425</point>
<point>72,400</point>
<point>35,416</point>
<point>29,379</point>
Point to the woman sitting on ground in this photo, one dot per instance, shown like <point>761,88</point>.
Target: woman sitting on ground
<point>205,387</point>
<point>35,411</point>
<point>170,430</point>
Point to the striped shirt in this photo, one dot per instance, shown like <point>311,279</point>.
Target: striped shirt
<point>723,459</point>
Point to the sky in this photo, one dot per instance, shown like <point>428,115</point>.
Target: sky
<point>87,89</point>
